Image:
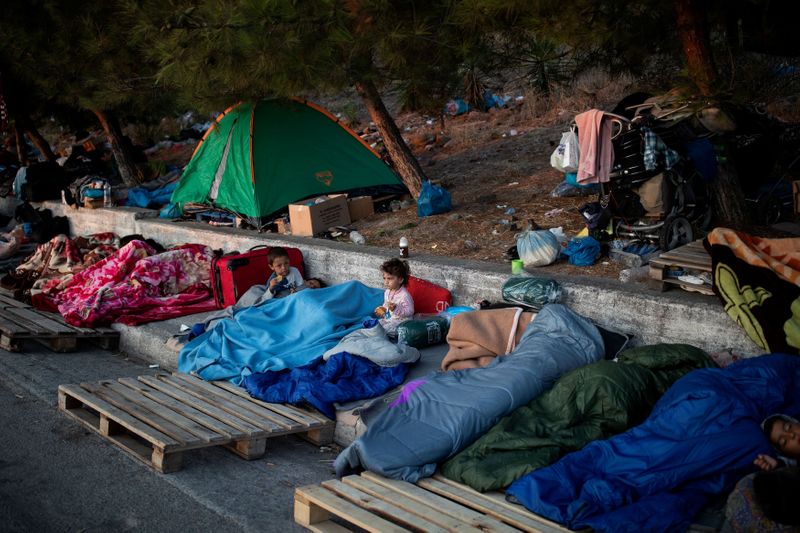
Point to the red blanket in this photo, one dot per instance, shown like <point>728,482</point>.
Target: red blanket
<point>136,285</point>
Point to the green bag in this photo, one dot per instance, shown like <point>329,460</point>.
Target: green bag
<point>531,292</point>
<point>422,333</point>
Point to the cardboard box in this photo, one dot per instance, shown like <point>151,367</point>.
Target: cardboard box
<point>360,207</point>
<point>314,216</point>
<point>796,194</point>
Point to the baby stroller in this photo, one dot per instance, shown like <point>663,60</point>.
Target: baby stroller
<point>666,204</point>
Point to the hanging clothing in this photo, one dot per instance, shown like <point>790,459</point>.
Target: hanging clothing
<point>596,150</point>
<point>655,152</point>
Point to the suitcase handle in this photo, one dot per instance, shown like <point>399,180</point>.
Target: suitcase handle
<point>233,264</point>
<point>257,246</point>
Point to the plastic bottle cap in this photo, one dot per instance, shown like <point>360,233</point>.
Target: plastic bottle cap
<point>403,241</point>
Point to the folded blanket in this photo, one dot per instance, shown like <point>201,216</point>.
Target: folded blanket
<point>758,281</point>
<point>590,403</point>
<point>321,383</point>
<point>477,337</point>
<point>439,415</point>
<point>373,344</point>
<point>700,439</point>
<point>279,333</point>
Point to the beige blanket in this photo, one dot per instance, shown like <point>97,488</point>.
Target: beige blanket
<point>477,337</point>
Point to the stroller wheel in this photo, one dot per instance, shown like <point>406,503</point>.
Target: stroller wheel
<point>676,231</point>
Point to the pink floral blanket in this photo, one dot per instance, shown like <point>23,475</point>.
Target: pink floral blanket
<point>136,285</point>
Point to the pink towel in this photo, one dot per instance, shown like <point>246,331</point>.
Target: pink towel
<point>597,153</point>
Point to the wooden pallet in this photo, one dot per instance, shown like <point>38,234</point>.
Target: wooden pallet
<point>691,258</point>
<point>157,418</point>
<point>20,322</point>
<point>376,504</point>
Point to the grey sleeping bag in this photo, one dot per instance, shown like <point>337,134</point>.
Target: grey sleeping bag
<point>441,414</point>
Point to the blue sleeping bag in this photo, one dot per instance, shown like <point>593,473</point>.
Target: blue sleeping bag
<point>700,439</point>
<point>441,414</point>
<point>342,378</point>
<point>279,333</point>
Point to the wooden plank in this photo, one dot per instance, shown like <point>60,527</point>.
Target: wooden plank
<point>33,328</point>
<point>389,508</point>
<point>424,510</point>
<point>12,329</point>
<point>7,301</point>
<point>686,262</point>
<point>475,500</point>
<point>442,505</point>
<point>146,432</point>
<point>184,439</point>
<point>204,406</point>
<point>319,497</point>
<point>500,499</point>
<point>54,326</point>
<point>683,263</point>
<point>265,418</point>
<point>201,432</point>
<point>308,418</point>
<point>58,318</point>
<point>186,410</point>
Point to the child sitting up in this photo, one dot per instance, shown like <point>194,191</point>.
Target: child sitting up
<point>397,302</point>
<point>285,279</point>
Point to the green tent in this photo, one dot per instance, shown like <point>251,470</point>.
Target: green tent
<point>258,158</point>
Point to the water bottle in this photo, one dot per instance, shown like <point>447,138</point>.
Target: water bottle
<point>107,195</point>
<point>356,237</point>
<point>403,247</point>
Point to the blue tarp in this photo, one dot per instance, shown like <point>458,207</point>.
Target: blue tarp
<point>142,197</point>
<point>280,333</point>
<point>700,439</point>
<point>443,413</point>
<point>342,378</point>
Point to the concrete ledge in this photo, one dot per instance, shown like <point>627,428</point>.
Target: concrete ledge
<point>673,316</point>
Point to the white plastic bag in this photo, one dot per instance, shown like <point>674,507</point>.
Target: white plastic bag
<point>571,151</point>
<point>537,248</point>
<point>566,155</point>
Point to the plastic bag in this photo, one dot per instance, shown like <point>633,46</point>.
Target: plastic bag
<point>531,292</point>
<point>422,333</point>
<point>170,211</point>
<point>537,248</point>
<point>433,200</point>
<point>566,155</point>
<point>582,251</point>
<point>452,311</point>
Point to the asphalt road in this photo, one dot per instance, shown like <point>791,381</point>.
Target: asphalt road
<point>56,475</point>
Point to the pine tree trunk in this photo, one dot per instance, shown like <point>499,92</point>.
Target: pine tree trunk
<point>727,198</point>
<point>37,139</point>
<point>19,138</point>
<point>129,172</point>
<point>404,161</point>
<point>696,43</point>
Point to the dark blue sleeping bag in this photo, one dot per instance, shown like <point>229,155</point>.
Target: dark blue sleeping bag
<point>342,378</point>
<point>700,439</point>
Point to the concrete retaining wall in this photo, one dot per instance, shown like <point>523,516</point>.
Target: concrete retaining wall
<point>653,316</point>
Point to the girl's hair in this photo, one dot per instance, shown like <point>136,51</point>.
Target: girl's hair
<point>322,284</point>
<point>399,268</point>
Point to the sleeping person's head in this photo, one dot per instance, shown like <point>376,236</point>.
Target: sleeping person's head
<point>784,433</point>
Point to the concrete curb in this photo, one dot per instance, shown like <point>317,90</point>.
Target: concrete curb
<point>652,316</point>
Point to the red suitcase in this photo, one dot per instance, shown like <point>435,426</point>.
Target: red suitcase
<point>233,274</point>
